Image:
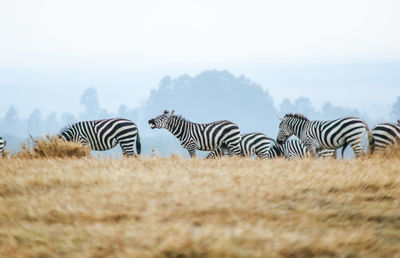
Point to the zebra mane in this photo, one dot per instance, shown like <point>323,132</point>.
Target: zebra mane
<point>179,117</point>
<point>296,115</point>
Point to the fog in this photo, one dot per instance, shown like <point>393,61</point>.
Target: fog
<point>209,96</point>
<point>247,61</point>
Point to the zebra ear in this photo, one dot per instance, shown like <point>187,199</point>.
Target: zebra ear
<point>166,111</point>
<point>280,118</point>
<point>172,112</point>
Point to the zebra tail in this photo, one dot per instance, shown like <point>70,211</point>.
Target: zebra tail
<point>138,145</point>
<point>371,143</point>
<point>344,147</point>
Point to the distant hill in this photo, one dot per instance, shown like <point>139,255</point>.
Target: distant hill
<point>215,95</point>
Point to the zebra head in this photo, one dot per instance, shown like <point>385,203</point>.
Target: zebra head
<point>161,120</point>
<point>71,134</point>
<point>285,130</point>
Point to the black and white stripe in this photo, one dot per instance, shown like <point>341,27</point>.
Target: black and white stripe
<point>294,148</point>
<point>319,135</point>
<point>251,144</point>
<point>386,134</point>
<point>2,145</point>
<point>193,136</point>
<point>105,134</point>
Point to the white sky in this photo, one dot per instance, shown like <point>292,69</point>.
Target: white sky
<point>112,33</point>
<point>181,36</point>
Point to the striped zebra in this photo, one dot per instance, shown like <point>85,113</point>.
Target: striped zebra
<point>294,148</point>
<point>319,135</point>
<point>2,145</point>
<point>205,137</point>
<point>386,134</point>
<point>105,134</point>
<point>251,144</point>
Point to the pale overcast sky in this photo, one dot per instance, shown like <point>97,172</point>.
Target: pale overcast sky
<point>176,37</point>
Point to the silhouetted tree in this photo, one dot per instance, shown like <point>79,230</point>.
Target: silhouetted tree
<point>51,124</point>
<point>215,95</point>
<point>286,107</point>
<point>123,111</point>
<point>11,124</point>
<point>92,108</point>
<point>67,118</point>
<point>395,112</point>
<point>303,105</point>
<point>34,126</point>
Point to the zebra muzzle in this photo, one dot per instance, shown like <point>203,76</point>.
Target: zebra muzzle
<point>152,124</point>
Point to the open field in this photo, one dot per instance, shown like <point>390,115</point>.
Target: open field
<point>175,207</point>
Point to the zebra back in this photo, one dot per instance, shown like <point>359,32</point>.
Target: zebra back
<point>386,134</point>
<point>250,144</point>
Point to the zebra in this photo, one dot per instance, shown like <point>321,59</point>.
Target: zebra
<point>319,135</point>
<point>264,147</point>
<point>206,137</point>
<point>294,148</point>
<point>386,134</point>
<point>251,144</point>
<point>2,145</point>
<point>105,134</point>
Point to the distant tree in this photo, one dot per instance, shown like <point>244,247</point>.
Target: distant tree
<point>215,95</point>
<point>11,115</point>
<point>286,107</point>
<point>34,126</point>
<point>123,111</point>
<point>303,105</point>
<point>51,124</point>
<point>11,123</point>
<point>67,118</point>
<point>330,111</point>
<point>166,81</point>
<point>395,112</point>
<point>91,103</point>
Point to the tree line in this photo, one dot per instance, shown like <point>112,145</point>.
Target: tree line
<point>210,96</point>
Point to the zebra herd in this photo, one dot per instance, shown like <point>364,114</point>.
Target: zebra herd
<point>315,138</point>
<point>223,138</point>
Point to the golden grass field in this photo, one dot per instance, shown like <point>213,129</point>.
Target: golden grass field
<point>176,207</point>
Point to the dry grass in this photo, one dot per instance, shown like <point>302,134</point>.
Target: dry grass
<point>175,207</point>
<point>390,152</point>
<point>52,147</point>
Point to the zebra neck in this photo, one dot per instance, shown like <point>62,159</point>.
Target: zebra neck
<point>179,127</point>
<point>299,126</point>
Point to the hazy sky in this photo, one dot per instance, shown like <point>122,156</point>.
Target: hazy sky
<point>87,41</point>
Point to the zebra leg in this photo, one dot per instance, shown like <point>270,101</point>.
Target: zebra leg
<point>127,149</point>
<point>357,149</point>
<point>191,148</point>
<point>312,151</point>
<point>192,153</point>
<point>217,153</point>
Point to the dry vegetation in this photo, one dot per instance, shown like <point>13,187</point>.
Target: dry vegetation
<point>175,207</point>
<point>52,147</point>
